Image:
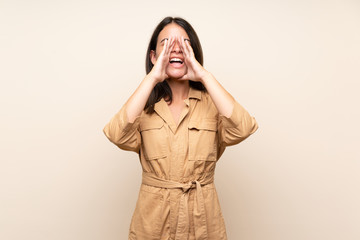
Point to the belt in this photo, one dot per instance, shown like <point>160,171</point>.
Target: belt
<point>199,214</point>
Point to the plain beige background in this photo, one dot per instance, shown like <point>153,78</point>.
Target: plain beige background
<point>66,68</point>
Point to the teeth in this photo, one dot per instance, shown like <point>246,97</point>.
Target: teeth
<point>175,60</point>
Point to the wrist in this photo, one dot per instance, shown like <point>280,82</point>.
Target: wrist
<point>152,79</point>
<point>205,76</point>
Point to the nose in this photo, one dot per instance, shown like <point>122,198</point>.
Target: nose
<point>176,47</point>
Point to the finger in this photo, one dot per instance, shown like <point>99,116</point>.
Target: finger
<point>181,44</point>
<point>165,46</point>
<point>172,44</point>
<point>188,47</point>
<point>187,50</point>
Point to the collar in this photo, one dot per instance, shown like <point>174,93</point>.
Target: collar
<point>162,109</point>
<point>194,93</point>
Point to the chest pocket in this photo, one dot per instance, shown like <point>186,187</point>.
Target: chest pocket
<point>154,138</point>
<point>203,140</point>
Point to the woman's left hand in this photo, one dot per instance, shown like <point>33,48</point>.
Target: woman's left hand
<point>195,71</point>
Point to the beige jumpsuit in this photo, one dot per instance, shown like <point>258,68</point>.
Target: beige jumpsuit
<point>177,198</point>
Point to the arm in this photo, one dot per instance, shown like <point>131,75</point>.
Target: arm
<point>122,130</point>
<point>136,103</point>
<point>235,123</point>
<point>137,100</point>
<point>223,100</point>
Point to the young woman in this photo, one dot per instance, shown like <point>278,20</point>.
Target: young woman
<point>179,120</point>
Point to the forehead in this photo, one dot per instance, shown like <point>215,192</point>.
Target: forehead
<point>172,29</point>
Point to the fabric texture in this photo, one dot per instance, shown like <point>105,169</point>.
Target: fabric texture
<point>177,198</point>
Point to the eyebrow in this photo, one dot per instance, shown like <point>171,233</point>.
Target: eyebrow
<point>185,39</point>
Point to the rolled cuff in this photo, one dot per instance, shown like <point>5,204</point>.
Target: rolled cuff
<point>123,133</point>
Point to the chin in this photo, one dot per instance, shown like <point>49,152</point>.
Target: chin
<point>176,73</point>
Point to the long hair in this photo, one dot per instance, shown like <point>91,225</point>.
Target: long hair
<point>163,89</point>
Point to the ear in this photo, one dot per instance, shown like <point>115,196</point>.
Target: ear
<point>153,57</point>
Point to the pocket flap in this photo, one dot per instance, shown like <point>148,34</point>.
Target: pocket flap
<point>204,124</point>
<point>151,124</point>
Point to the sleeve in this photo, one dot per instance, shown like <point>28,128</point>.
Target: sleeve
<point>122,133</point>
<point>237,127</point>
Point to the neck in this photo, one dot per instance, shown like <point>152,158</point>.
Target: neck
<point>179,89</point>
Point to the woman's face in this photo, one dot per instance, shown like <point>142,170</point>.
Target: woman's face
<point>173,69</point>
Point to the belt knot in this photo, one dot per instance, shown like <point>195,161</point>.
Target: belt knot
<point>199,214</point>
<point>187,186</point>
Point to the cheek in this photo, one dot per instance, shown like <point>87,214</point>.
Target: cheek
<point>159,50</point>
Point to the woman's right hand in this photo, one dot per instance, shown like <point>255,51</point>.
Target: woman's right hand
<point>158,72</point>
<point>137,101</point>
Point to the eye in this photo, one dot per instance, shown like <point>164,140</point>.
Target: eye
<point>162,42</point>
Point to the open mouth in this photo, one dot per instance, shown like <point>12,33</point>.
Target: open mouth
<point>176,62</point>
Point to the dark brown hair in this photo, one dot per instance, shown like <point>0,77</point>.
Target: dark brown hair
<point>163,89</point>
